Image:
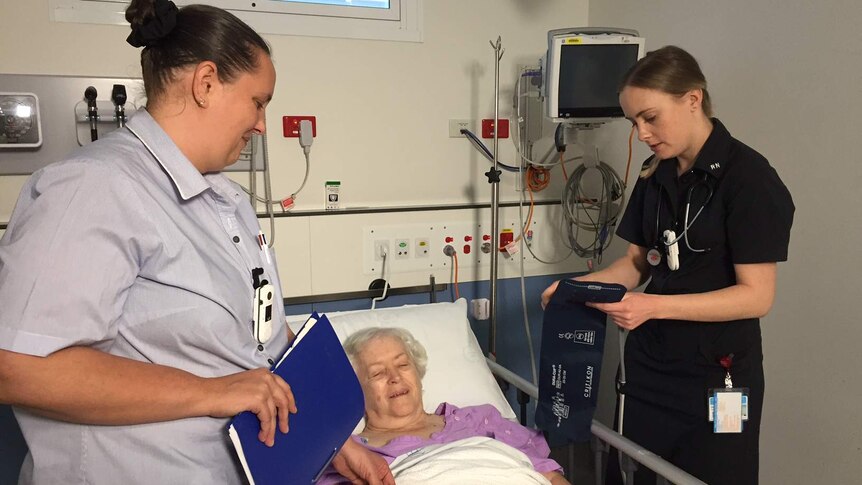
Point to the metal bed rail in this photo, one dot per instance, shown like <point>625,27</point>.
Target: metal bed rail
<point>631,452</point>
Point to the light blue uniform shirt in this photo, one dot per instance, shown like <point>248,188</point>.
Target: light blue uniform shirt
<point>125,247</point>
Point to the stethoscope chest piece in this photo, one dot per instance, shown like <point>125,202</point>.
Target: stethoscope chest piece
<point>653,257</point>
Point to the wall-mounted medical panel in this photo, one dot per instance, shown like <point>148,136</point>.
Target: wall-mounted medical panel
<point>46,117</point>
<point>338,250</point>
<point>414,247</point>
<point>20,122</point>
<point>63,115</point>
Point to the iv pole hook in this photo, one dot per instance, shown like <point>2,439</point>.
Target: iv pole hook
<point>498,47</point>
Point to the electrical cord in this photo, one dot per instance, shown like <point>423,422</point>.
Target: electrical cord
<point>306,138</point>
<point>527,318</point>
<point>290,199</point>
<point>560,162</point>
<point>518,121</point>
<point>537,178</point>
<point>267,192</point>
<point>455,260</point>
<point>563,166</point>
<point>533,166</point>
<point>305,178</point>
<point>450,251</point>
<point>382,297</point>
<point>516,140</point>
<point>521,241</point>
<point>479,145</point>
<point>529,246</point>
<point>579,209</point>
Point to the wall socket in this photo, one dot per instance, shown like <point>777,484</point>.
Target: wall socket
<point>381,246</point>
<point>455,127</point>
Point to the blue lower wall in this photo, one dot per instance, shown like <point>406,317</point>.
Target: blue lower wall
<point>511,343</point>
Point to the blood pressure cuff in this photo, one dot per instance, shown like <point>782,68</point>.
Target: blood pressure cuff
<point>573,338</point>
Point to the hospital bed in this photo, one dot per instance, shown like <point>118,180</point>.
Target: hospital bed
<point>459,373</point>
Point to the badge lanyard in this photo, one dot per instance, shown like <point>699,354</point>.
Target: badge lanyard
<point>728,406</point>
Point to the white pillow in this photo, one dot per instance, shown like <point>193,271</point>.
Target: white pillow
<point>456,373</point>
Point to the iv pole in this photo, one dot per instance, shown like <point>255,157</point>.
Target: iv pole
<point>494,179</point>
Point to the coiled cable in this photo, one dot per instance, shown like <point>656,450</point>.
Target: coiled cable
<point>594,214</point>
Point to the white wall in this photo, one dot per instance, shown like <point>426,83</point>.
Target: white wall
<point>785,77</point>
<point>382,111</point>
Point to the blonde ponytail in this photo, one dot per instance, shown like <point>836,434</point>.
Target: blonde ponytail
<point>651,167</point>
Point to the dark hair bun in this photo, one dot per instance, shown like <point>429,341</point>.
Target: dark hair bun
<point>151,21</point>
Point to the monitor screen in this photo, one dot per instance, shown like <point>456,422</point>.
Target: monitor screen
<point>589,76</point>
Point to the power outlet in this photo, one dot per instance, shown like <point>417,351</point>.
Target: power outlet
<point>488,128</point>
<point>381,247</point>
<point>290,125</point>
<point>455,127</point>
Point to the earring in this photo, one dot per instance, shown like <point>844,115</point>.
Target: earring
<point>201,102</point>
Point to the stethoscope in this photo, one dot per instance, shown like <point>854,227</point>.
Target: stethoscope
<point>669,238</point>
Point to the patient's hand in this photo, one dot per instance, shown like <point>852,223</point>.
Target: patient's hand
<point>362,466</point>
<point>556,479</point>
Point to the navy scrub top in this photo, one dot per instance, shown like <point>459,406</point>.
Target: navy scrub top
<point>746,218</point>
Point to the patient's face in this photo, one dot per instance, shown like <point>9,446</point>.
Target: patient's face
<point>389,380</point>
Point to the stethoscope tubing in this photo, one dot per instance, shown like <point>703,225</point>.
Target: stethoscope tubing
<point>686,224</point>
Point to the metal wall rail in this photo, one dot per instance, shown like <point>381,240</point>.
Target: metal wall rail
<point>667,473</point>
<point>431,289</point>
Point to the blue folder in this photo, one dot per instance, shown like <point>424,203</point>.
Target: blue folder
<point>573,338</point>
<point>329,402</point>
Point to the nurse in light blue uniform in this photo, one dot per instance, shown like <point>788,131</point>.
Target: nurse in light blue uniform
<point>127,276</point>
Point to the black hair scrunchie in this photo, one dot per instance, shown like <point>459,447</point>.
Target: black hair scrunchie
<point>156,28</point>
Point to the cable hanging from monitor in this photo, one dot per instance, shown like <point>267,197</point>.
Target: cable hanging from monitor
<point>595,214</point>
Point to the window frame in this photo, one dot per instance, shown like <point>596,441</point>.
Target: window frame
<point>401,22</point>
<point>307,8</point>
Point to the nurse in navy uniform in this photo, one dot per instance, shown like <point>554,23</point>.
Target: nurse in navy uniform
<point>707,223</point>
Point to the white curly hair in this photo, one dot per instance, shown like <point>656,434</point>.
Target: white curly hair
<point>355,344</point>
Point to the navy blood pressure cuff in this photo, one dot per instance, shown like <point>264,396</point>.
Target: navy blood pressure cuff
<point>573,339</point>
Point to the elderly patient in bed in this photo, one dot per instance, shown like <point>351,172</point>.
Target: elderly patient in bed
<point>474,444</point>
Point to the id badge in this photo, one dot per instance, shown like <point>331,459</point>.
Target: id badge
<point>728,409</point>
<point>263,301</point>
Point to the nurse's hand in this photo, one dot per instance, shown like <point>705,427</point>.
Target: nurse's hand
<point>362,466</point>
<point>630,312</point>
<point>548,293</point>
<point>259,391</point>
